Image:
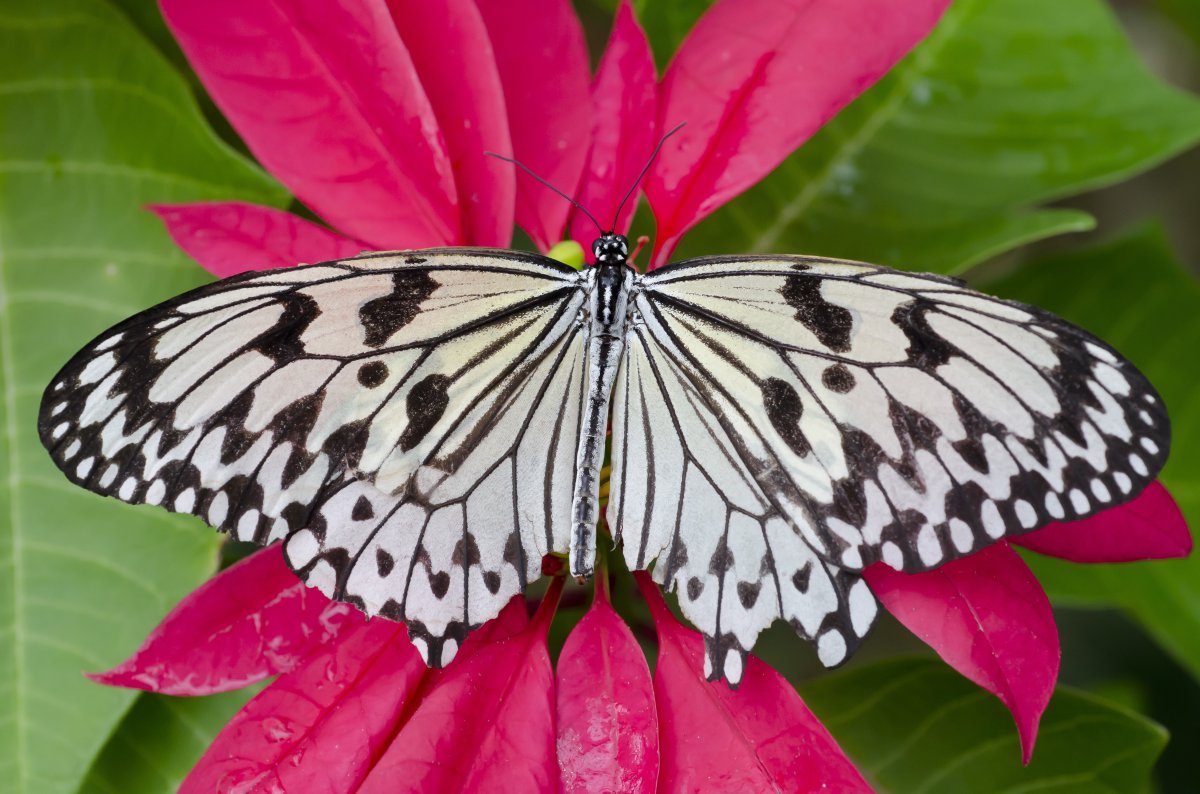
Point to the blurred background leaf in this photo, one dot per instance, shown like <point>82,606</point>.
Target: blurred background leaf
<point>105,126</point>
<point>915,725</point>
<point>159,741</point>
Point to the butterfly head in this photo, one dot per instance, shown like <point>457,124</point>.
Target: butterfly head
<point>611,248</point>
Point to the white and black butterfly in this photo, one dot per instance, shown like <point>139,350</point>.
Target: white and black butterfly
<point>419,428</point>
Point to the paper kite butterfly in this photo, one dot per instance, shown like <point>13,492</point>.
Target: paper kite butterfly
<point>420,427</point>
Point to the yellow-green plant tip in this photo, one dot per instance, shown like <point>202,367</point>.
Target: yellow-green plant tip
<point>568,252</point>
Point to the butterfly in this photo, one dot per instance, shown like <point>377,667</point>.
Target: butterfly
<point>419,428</point>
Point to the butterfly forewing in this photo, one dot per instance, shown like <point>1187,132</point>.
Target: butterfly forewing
<point>385,405</point>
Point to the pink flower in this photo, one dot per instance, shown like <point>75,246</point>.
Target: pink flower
<point>376,115</point>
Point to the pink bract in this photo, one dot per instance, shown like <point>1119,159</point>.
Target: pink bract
<point>376,115</point>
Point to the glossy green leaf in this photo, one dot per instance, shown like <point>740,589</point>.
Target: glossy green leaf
<point>1133,294</point>
<point>1007,103</point>
<point>159,742</point>
<point>917,726</point>
<point>105,127</point>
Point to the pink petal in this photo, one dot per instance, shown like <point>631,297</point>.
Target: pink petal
<point>543,64</point>
<point>607,726</point>
<point>322,727</point>
<point>485,723</point>
<point>228,238</point>
<point>252,620</point>
<point>453,55</point>
<point>327,98</point>
<point>317,729</point>
<point>754,80</point>
<point>760,737</point>
<point>988,617</point>
<point>1151,527</point>
<point>624,97</point>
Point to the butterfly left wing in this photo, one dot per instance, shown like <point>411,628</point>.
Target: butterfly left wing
<point>888,416</point>
<point>371,409</point>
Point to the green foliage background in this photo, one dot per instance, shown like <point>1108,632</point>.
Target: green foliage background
<point>947,165</point>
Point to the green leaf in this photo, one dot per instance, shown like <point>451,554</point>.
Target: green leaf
<point>1134,295</point>
<point>1184,13</point>
<point>917,726</point>
<point>159,741</point>
<point>96,125</point>
<point>666,24</point>
<point>1008,103</point>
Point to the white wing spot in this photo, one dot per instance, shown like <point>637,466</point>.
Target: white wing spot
<point>1079,502</point>
<point>862,607</point>
<point>1149,445</point>
<point>1054,505</point>
<point>1111,379</point>
<point>127,488</point>
<point>110,342</point>
<point>60,431</point>
<point>1138,465</point>
<point>993,522</point>
<point>247,524</point>
<point>156,492</point>
<point>733,666</point>
<point>302,547</point>
<point>928,547</point>
<point>1100,491</point>
<point>109,475</point>
<point>1145,417</point>
<point>450,650</point>
<point>58,409</point>
<point>72,450</point>
<point>892,556</point>
<point>961,535</point>
<point>1100,352</point>
<point>831,648</point>
<point>218,508</point>
<point>185,501</point>
<point>85,467</point>
<point>1025,513</point>
<point>1123,482</point>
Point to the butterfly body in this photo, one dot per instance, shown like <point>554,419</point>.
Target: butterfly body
<point>609,286</point>
<point>419,428</point>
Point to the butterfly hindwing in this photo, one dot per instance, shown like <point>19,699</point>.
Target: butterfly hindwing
<point>258,402</point>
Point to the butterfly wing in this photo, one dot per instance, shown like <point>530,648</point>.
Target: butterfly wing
<point>378,412</point>
<point>887,416</point>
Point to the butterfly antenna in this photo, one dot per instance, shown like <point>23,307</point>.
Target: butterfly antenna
<point>645,168</point>
<point>527,170</point>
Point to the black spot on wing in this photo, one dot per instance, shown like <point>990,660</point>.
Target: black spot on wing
<point>383,317</point>
<point>838,378</point>
<point>384,562</point>
<point>362,509</point>
<point>830,323</point>
<point>426,402</point>
<point>784,409</point>
<point>372,374</point>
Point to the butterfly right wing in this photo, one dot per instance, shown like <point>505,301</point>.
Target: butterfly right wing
<point>258,403</point>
